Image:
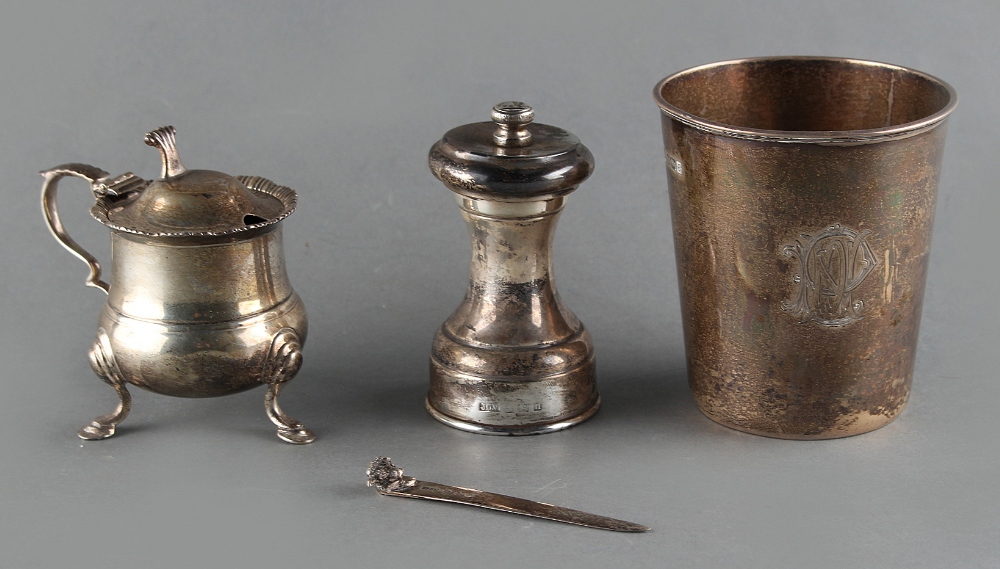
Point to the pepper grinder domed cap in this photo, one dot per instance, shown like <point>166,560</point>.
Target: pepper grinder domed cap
<point>511,158</point>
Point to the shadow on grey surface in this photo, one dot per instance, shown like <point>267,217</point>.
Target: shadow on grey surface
<point>657,400</point>
<point>653,400</point>
<point>345,489</point>
<point>240,414</point>
<point>400,402</point>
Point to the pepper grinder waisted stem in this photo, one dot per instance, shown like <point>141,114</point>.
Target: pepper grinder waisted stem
<point>512,359</point>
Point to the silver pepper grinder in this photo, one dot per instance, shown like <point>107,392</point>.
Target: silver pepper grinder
<point>512,360</point>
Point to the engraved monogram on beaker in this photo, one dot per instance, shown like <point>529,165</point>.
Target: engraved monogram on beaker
<point>832,264</point>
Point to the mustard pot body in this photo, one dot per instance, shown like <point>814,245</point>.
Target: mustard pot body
<point>199,302</point>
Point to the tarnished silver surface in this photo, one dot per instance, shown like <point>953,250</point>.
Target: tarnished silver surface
<point>512,359</point>
<point>199,303</point>
<point>388,479</point>
<point>803,192</point>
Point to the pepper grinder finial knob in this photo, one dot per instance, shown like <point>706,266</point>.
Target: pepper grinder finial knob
<point>512,119</point>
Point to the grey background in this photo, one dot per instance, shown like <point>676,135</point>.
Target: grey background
<point>342,102</point>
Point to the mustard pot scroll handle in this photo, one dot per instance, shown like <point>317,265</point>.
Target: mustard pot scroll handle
<point>101,186</point>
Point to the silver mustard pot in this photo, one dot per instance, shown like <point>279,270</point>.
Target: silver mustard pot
<point>512,359</point>
<point>199,303</point>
